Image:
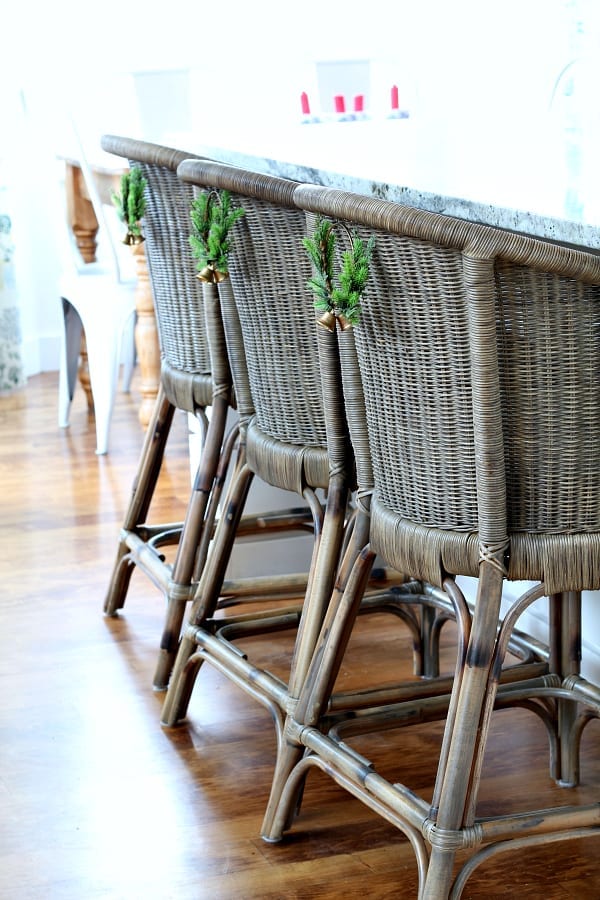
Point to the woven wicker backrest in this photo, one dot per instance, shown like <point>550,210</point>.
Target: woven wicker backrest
<point>477,350</point>
<point>177,293</point>
<point>271,332</point>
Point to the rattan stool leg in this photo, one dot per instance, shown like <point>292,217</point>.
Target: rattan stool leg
<point>566,652</point>
<point>143,489</point>
<point>279,815</point>
<point>459,772</point>
<point>214,501</point>
<point>207,595</point>
<point>180,588</point>
<point>319,680</point>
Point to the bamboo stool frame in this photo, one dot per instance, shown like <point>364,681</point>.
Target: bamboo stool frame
<point>460,343</point>
<point>195,375</point>
<point>285,373</point>
<point>283,437</point>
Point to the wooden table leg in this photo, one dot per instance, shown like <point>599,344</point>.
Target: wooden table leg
<point>81,213</point>
<point>146,337</point>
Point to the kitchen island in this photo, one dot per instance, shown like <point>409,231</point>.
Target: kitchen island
<point>536,182</point>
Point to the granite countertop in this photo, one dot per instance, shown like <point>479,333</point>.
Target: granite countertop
<point>523,185</point>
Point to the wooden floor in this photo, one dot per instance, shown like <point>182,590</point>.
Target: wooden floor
<point>98,801</point>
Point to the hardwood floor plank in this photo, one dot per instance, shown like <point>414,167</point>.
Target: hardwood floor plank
<point>101,803</point>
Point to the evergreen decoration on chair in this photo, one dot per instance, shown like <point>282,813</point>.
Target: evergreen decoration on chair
<point>341,303</point>
<point>212,217</point>
<point>130,204</point>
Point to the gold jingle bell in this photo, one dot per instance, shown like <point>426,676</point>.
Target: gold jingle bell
<point>327,321</point>
<point>131,238</point>
<point>343,322</point>
<point>211,275</point>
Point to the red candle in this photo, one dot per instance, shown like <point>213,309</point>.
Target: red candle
<point>305,104</point>
<point>340,103</point>
<point>359,103</point>
<point>395,104</point>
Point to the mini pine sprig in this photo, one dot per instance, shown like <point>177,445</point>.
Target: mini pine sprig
<point>130,203</point>
<point>341,302</point>
<point>321,248</point>
<point>212,217</point>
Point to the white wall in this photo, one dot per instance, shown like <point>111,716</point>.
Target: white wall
<point>460,62</point>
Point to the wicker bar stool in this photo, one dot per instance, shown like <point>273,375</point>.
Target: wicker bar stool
<point>195,375</point>
<point>473,395</point>
<point>285,373</point>
<point>277,378</point>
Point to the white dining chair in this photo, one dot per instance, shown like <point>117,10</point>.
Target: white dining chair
<point>98,299</point>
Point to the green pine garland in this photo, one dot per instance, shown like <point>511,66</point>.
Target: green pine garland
<point>130,203</point>
<point>212,217</point>
<point>343,299</point>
